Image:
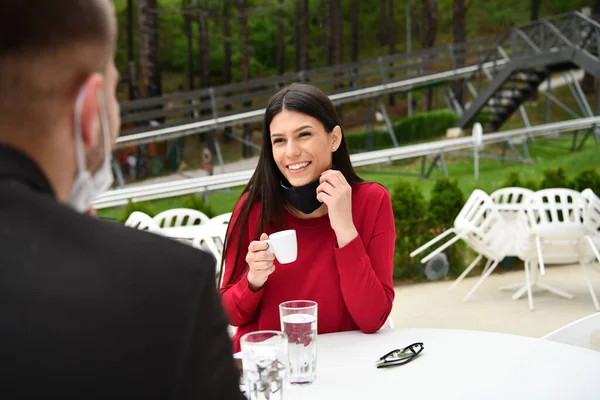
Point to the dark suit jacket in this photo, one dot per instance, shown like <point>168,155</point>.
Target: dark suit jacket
<point>92,309</point>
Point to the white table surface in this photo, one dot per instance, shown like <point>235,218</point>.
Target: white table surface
<point>453,365</point>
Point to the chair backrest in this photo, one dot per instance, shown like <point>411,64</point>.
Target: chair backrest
<point>220,222</point>
<point>584,332</point>
<point>143,222</point>
<point>180,217</point>
<point>206,242</point>
<point>592,219</point>
<point>557,214</point>
<point>511,195</point>
<point>487,229</point>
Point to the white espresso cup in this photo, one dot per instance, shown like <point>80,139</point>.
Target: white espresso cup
<point>284,245</point>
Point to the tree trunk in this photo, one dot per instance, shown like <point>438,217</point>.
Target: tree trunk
<point>149,68</point>
<point>354,22</point>
<point>203,50</point>
<point>281,40</point>
<point>302,31</point>
<point>149,48</point>
<point>298,35</point>
<point>535,9</point>
<point>245,66</point>
<point>131,71</point>
<point>305,35</point>
<point>325,32</point>
<point>534,14</point>
<point>337,38</point>
<point>383,23</point>
<point>227,62</point>
<point>459,12</point>
<point>430,18</point>
<point>391,39</point>
<point>338,35</point>
<point>589,82</point>
<point>190,48</point>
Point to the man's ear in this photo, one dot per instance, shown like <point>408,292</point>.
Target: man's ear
<point>90,111</point>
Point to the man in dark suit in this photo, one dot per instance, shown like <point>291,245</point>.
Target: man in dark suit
<point>88,309</point>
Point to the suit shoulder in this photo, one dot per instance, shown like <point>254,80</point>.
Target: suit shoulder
<point>154,249</point>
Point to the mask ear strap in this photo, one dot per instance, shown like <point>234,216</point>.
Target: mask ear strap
<point>80,150</point>
<point>104,123</point>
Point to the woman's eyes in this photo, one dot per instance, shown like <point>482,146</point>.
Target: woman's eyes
<point>280,140</point>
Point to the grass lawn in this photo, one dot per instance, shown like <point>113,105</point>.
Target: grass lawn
<point>545,154</point>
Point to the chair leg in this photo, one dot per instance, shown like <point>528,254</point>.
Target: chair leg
<point>432,241</point>
<point>513,286</point>
<point>487,265</point>
<point>589,283</point>
<point>522,289</point>
<point>593,247</point>
<point>444,246</point>
<point>538,245</point>
<point>483,277</point>
<point>466,272</point>
<point>528,284</point>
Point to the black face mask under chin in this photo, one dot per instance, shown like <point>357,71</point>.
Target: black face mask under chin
<point>303,198</point>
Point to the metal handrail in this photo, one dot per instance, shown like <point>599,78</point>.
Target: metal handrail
<point>119,197</point>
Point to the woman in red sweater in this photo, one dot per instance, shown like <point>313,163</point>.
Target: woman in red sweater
<point>344,226</point>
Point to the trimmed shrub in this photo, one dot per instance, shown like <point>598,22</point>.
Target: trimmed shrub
<point>197,203</point>
<point>512,180</point>
<point>555,178</point>
<point>587,179</point>
<point>409,207</point>
<point>419,127</point>
<point>137,206</point>
<point>445,203</point>
<point>424,126</point>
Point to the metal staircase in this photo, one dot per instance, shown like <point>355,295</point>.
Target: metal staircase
<point>533,51</point>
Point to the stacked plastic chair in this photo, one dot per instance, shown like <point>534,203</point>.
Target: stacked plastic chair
<point>482,227</point>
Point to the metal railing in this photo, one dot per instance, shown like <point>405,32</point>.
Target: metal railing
<point>119,197</point>
<point>233,104</point>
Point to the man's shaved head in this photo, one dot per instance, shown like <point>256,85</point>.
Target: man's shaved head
<point>47,50</point>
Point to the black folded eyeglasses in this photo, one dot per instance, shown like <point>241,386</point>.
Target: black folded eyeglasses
<point>400,356</point>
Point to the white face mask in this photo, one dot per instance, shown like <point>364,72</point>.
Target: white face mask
<point>87,187</point>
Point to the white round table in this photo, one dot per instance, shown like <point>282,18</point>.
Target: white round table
<point>453,365</point>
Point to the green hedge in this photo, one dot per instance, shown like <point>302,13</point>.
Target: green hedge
<point>418,221</point>
<point>419,127</point>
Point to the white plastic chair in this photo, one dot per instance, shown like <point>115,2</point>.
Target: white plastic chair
<point>512,204</point>
<point>482,227</point>
<point>220,223</point>
<point>559,234</point>
<point>593,216</point>
<point>141,221</point>
<point>180,217</point>
<point>584,332</point>
<point>511,196</point>
<point>206,242</point>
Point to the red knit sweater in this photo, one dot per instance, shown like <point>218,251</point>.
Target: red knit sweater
<point>352,285</point>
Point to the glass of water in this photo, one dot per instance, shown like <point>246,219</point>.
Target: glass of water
<point>299,322</point>
<point>265,363</point>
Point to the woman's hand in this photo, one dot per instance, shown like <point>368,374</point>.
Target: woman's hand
<point>336,193</point>
<point>260,262</point>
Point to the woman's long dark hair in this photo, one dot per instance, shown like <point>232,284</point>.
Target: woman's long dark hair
<point>264,186</point>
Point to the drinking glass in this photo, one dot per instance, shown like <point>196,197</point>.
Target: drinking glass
<point>299,322</point>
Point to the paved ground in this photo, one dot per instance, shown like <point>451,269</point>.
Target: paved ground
<point>430,305</point>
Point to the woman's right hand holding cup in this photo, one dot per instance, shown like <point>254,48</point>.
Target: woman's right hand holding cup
<point>260,261</point>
